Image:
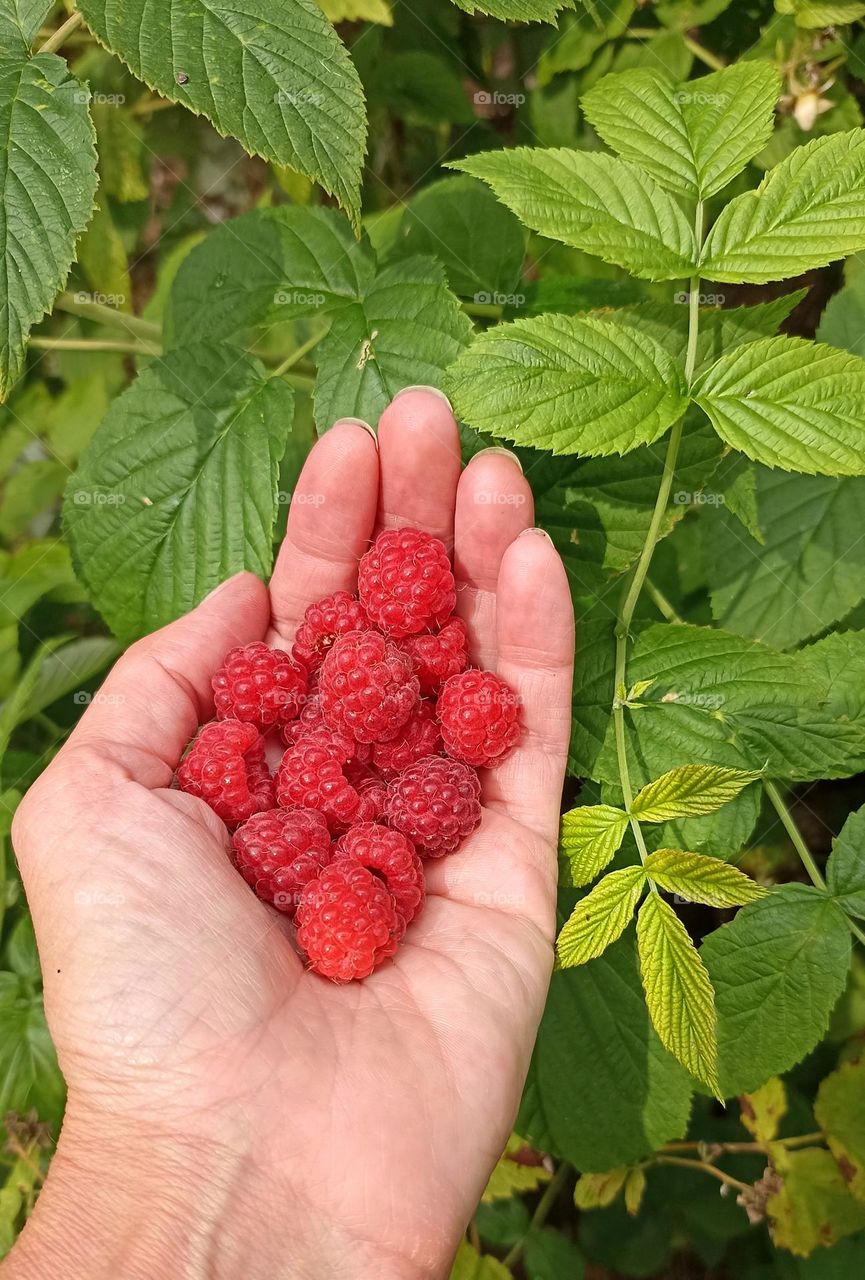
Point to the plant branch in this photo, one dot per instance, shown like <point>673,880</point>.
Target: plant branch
<point>94,344</point>
<point>711,1169</point>
<point>110,316</point>
<point>57,40</point>
<point>745,1148</point>
<point>705,55</point>
<point>806,857</point>
<point>483,310</point>
<point>541,1213</point>
<point>661,603</point>
<point>297,355</point>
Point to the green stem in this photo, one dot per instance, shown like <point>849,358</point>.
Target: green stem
<point>626,614</point>
<point>297,355</point>
<point>110,316</point>
<point>483,310</point>
<point>56,41</point>
<point>93,344</point>
<point>711,1169</point>
<point>806,857</point>
<point>705,55</point>
<point>661,603</point>
<point>541,1213</point>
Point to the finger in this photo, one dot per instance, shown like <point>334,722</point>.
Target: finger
<point>535,639</point>
<point>494,505</point>
<point>330,523</point>
<point>419,451</point>
<point>159,692</point>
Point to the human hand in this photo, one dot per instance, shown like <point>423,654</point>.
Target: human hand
<point>230,1113</point>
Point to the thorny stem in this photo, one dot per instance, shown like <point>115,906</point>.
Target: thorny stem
<point>626,615</point>
<point>805,855</point>
<point>57,40</point>
<point>541,1213</point>
<point>711,1169</point>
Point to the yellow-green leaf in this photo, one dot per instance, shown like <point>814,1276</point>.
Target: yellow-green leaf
<point>841,1115</point>
<point>590,837</point>
<point>764,1109</point>
<point>600,917</point>
<point>814,1206</point>
<point>690,791</point>
<point>598,1190</point>
<point>679,994</point>
<point>510,1177</point>
<point>635,1189</point>
<point>699,878</point>
<point>358,11</point>
<point>470,1265</point>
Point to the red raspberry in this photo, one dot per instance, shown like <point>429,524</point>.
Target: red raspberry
<point>225,766</point>
<point>347,922</point>
<point>418,737</point>
<point>479,714</point>
<point>436,803</point>
<point>372,791</point>
<point>279,852</point>
<point>259,685</point>
<point>405,582</point>
<point>323,622</point>
<point>435,657</point>
<point>391,856</point>
<point>367,687</point>
<point>311,776</point>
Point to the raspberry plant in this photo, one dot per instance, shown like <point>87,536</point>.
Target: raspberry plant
<point>701,472</point>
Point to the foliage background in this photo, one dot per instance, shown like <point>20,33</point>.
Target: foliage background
<point>766,555</point>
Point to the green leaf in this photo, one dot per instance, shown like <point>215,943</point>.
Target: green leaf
<point>805,213</point>
<point>590,837</point>
<point>845,869</point>
<point>479,242</point>
<point>420,88</point>
<point>610,1093</point>
<point>121,147</point>
<point>813,1207</point>
<point>778,969</point>
<point>806,572</point>
<point>516,10</point>
<point>701,879</point>
<point>406,332</point>
<point>20,20</point>
<point>811,14</point>
<point>29,1075</point>
<point>548,1255</point>
<point>178,488</point>
<point>843,322</point>
<point>583,35</point>
<point>839,1113</point>
<point>469,1265</point>
<point>358,11</point>
<point>600,917</point>
<point>21,952</point>
<point>276,78</point>
<point>598,203</point>
<point>689,791</point>
<point>790,403</point>
<point>569,384</point>
<point>66,669</point>
<point>264,267</point>
<point>597,1190</point>
<point>693,138</point>
<point>46,132</point>
<point>678,990</point>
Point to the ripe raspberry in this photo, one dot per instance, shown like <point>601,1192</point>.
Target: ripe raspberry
<point>435,657</point>
<point>418,737</point>
<point>279,852</point>
<point>323,622</point>
<point>405,582</point>
<point>436,803</point>
<point>259,685</point>
<point>372,791</point>
<point>367,687</point>
<point>391,856</point>
<point>347,922</point>
<point>479,715</point>
<point>225,766</point>
<point>311,776</point>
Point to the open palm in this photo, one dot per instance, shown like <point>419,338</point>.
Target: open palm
<point>362,1120</point>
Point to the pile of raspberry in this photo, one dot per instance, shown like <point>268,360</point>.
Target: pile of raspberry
<point>381,726</point>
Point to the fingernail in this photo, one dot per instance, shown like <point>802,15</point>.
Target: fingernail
<point>433,391</point>
<point>537,532</point>
<point>358,422</point>
<point>503,453</point>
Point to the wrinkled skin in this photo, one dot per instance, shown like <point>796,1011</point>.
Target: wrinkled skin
<point>230,1113</point>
